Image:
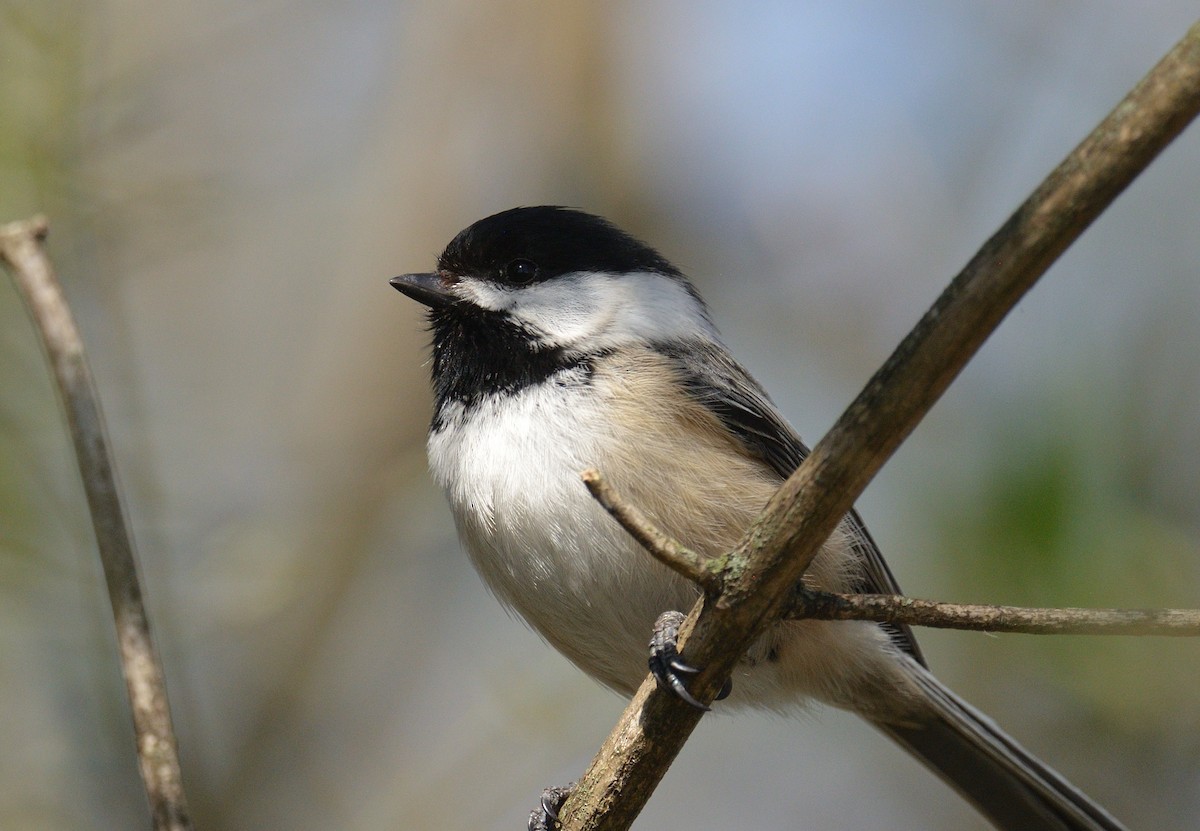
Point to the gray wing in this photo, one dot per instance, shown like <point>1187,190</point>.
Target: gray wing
<point>723,387</point>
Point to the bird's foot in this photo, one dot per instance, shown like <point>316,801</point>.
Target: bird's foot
<point>545,816</point>
<point>666,665</point>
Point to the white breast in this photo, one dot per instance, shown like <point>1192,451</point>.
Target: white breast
<point>510,467</point>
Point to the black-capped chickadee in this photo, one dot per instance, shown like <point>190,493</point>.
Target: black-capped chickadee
<point>561,343</point>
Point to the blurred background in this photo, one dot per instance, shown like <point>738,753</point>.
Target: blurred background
<point>230,186</point>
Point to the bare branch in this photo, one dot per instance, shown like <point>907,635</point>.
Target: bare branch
<point>890,608</point>
<point>800,517</point>
<point>666,549</point>
<point>158,758</point>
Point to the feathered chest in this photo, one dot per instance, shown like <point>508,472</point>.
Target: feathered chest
<point>512,459</point>
<point>510,466</point>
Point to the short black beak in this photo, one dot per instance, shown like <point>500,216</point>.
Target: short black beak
<point>429,289</point>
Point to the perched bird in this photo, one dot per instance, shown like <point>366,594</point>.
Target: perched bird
<point>562,343</point>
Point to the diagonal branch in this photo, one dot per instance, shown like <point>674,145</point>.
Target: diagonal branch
<point>777,549</point>
<point>158,758</point>
<point>662,546</point>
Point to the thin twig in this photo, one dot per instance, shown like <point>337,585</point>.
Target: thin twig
<point>779,546</point>
<point>810,604</point>
<point>891,608</point>
<point>158,758</point>
<point>704,571</point>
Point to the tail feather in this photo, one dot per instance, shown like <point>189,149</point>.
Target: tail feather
<point>1013,788</point>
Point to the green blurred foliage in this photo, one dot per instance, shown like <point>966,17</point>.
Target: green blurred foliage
<point>41,46</point>
<point>1050,524</point>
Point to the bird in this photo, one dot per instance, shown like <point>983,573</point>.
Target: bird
<point>560,343</point>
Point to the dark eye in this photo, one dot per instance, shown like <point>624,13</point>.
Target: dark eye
<point>520,272</point>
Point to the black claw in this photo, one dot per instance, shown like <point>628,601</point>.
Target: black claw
<point>680,690</point>
<point>678,665</point>
<point>545,816</point>
<point>665,663</point>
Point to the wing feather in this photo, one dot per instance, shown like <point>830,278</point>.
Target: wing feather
<point>720,384</point>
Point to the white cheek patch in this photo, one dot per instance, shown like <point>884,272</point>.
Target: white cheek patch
<point>486,295</point>
<point>593,311</point>
<point>570,308</point>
